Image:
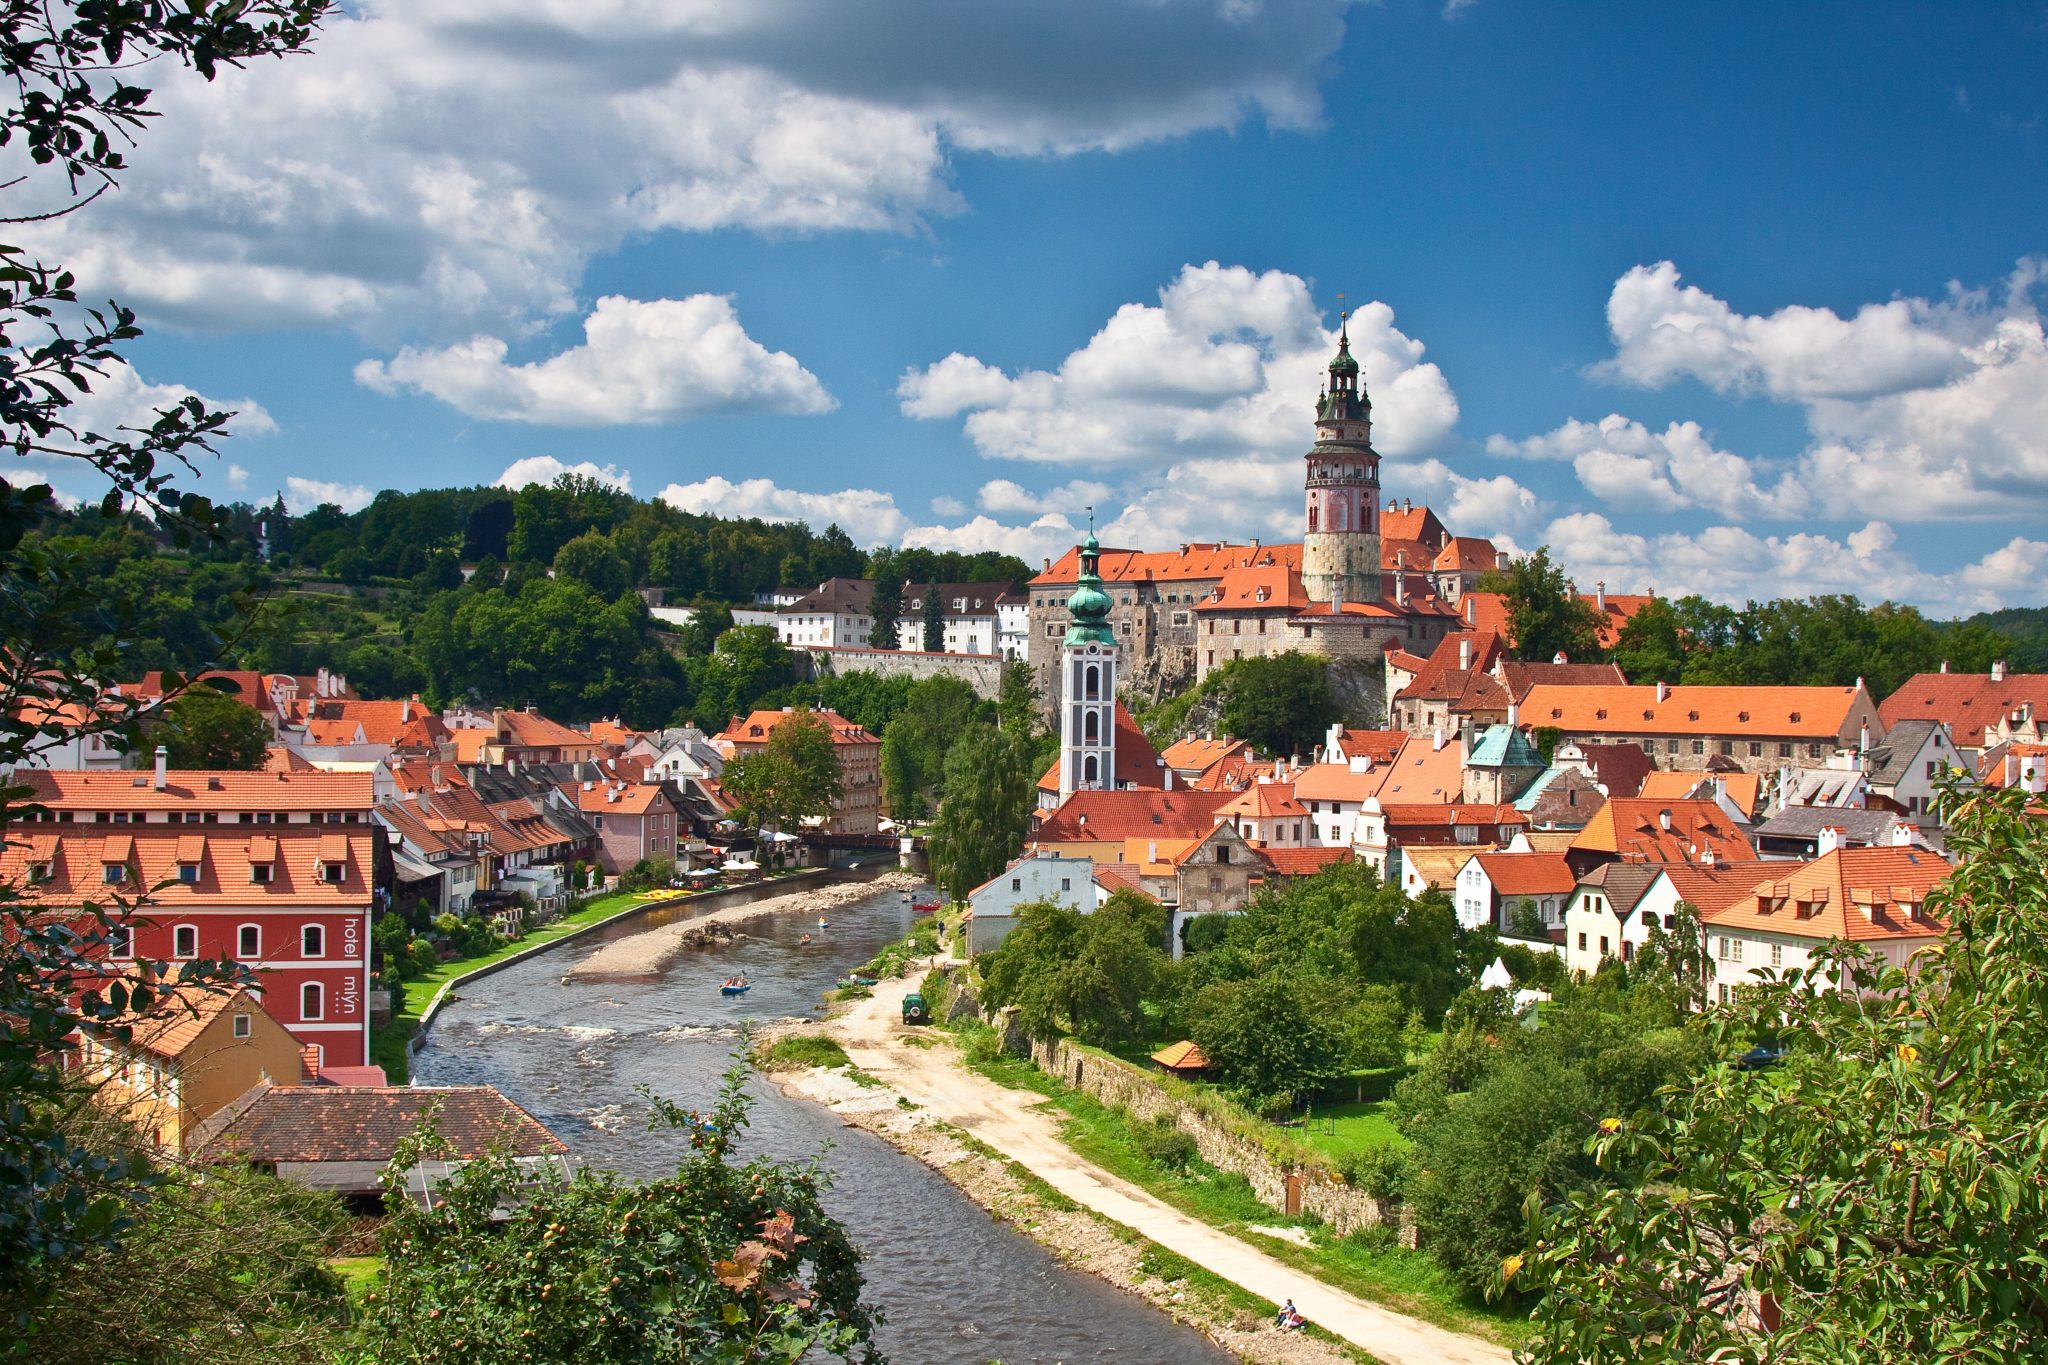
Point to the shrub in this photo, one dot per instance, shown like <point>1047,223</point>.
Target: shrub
<point>1377,1171</point>
<point>801,1049</point>
<point>1165,1145</point>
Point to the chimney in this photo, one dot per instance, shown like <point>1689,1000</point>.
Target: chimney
<point>404,712</point>
<point>1902,835</point>
<point>1663,690</point>
<point>1559,658</point>
<point>163,766</point>
<point>1944,665</point>
<point>1407,505</point>
<point>1152,851</point>
<point>1830,840</point>
<point>1863,734</point>
<point>1464,654</point>
<point>320,685</point>
<point>1471,614</point>
<point>1500,560</point>
<point>1998,670</point>
<point>1401,589</point>
<point>1514,714</point>
<point>1437,740</point>
<point>1600,597</point>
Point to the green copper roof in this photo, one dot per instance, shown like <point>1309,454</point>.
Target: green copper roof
<point>1504,746</point>
<point>1089,606</point>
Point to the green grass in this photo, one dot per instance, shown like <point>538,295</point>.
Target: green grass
<point>1369,1267</point>
<point>1337,1129</point>
<point>801,1049</point>
<point>358,1274</point>
<point>388,1045</point>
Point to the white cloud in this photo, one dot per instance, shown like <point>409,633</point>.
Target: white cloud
<point>237,477</point>
<point>546,469</point>
<point>303,495</point>
<point>1917,410</point>
<point>661,360</point>
<point>1047,537</point>
<point>1664,331</point>
<point>1004,495</point>
<point>1454,9</point>
<point>1732,564</point>
<point>943,506</point>
<point>455,163</point>
<point>122,398</point>
<point>1626,465</point>
<point>866,514</point>
<point>1226,365</point>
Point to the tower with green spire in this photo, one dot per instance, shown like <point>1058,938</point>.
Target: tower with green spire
<point>1088,659</point>
<point>1340,547</point>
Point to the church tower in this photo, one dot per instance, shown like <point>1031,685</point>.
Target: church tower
<point>1340,552</point>
<point>1088,684</point>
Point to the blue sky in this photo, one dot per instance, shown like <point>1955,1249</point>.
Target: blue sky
<point>1741,299</point>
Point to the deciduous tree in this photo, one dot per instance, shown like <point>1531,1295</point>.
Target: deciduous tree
<point>1280,704</point>
<point>208,729</point>
<point>1543,615</point>
<point>791,778</point>
<point>982,820</point>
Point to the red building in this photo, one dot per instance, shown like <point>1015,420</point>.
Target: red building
<point>276,871</point>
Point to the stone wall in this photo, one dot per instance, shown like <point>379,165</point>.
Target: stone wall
<point>1121,1085</point>
<point>982,672</point>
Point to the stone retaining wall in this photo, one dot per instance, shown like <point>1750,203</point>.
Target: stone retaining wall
<point>1119,1084</point>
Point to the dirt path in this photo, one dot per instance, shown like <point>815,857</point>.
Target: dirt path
<point>1014,1125</point>
<point>647,953</point>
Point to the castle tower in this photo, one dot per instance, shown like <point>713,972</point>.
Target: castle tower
<point>1340,551</point>
<point>1088,684</point>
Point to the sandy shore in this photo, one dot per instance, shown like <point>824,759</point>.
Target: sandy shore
<point>650,952</point>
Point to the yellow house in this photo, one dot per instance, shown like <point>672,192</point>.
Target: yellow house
<point>187,1059</point>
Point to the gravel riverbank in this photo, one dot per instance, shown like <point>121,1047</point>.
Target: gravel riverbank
<point>647,954</point>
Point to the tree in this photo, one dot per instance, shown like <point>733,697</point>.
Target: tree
<point>205,729</point>
<point>701,633</point>
<point>594,561</point>
<point>1544,615</point>
<point>1085,974</point>
<point>886,609</point>
<point>1281,703</point>
<point>935,714</point>
<point>791,778</point>
<point>1649,647</point>
<point>1265,1040</point>
<point>72,111</point>
<point>720,1261</point>
<point>934,620</point>
<point>986,811</point>
<point>1882,1196</point>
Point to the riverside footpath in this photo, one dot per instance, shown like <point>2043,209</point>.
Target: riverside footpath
<point>931,1074</point>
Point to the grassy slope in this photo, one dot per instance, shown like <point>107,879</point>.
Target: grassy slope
<point>388,1044</point>
<point>1336,1129</point>
<point>1408,1281</point>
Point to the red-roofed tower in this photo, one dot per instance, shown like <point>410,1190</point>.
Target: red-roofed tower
<point>1340,551</point>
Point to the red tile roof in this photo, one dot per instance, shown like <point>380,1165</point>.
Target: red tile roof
<point>1520,677</point>
<point>154,853</point>
<point>1137,762</point>
<point>1118,815</point>
<point>1181,1057</point>
<point>1634,830</point>
<point>1417,524</point>
<point>1380,746</point>
<point>1766,712</point>
<point>1465,554</point>
<point>756,726</point>
<point>1261,587</point>
<point>1528,874</point>
<point>1966,701</point>
<point>1303,862</point>
<point>1266,801</point>
<point>1194,561</point>
<point>201,791</point>
<point>366,1123</point>
<point>1200,755</point>
<point>1859,894</point>
<point>181,1014</point>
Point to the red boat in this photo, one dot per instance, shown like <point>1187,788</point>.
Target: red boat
<point>924,907</point>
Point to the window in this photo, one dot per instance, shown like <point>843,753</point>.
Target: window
<point>309,1000</point>
<point>1670,746</point>
<point>248,941</point>
<point>188,873</point>
<point>333,873</point>
<point>1728,747</point>
<point>1603,945</point>
<point>1582,941</point>
<point>185,941</point>
<point>1756,748</point>
<point>1016,883</point>
<point>1784,751</point>
<point>120,941</point>
<point>1066,883</point>
<point>1699,746</point>
<point>259,874</point>
<point>312,941</point>
<point>1813,751</point>
<point>1777,954</point>
<point>113,874</point>
<point>1223,853</point>
<point>241,1026</point>
<point>1934,767</point>
<point>1726,993</point>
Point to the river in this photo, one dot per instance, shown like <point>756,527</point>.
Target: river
<point>955,1286</point>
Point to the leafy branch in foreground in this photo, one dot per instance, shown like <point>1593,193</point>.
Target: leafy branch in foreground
<point>1881,1197</point>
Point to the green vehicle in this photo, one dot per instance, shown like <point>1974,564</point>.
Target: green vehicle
<point>914,1011</point>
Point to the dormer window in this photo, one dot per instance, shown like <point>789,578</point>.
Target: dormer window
<point>260,873</point>
<point>113,874</point>
<point>188,873</point>
<point>41,872</point>
<point>334,874</point>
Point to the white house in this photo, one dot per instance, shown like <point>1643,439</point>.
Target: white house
<point>1334,793</point>
<point>1036,877</point>
<point>1617,905</point>
<point>1491,885</point>
<point>1913,759</point>
<point>1013,626</point>
<point>837,613</point>
<point>1872,897</point>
